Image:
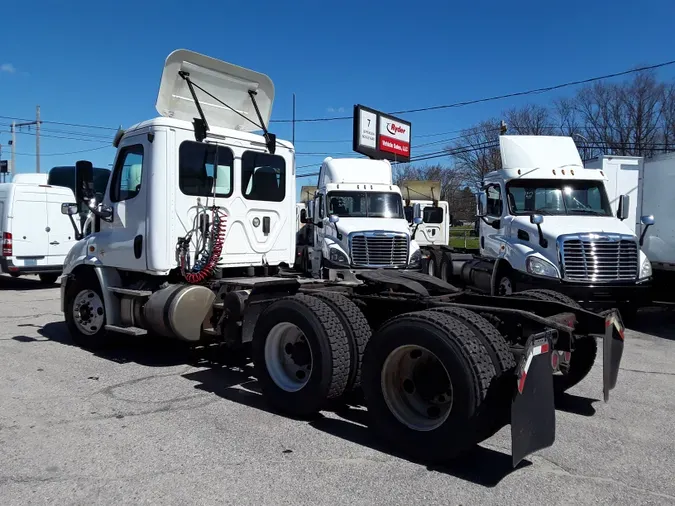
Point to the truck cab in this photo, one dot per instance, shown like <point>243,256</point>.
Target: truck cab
<point>547,222</point>
<point>358,219</point>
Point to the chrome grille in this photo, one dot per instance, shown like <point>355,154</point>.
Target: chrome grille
<point>599,257</point>
<point>379,250</point>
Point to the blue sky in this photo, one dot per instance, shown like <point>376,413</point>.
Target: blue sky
<point>99,63</point>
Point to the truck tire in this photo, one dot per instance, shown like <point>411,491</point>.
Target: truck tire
<point>85,312</point>
<point>301,354</point>
<point>549,295</point>
<point>445,270</point>
<point>434,263</point>
<point>585,347</point>
<point>48,279</point>
<point>496,413</point>
<point>357,329</point>
<point>425,379</point>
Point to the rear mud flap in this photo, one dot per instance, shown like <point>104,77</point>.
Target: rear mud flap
<point>612,351</point>
<point>533,407</point>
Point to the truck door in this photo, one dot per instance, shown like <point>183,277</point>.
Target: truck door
<point>318,232</point>
<point>27,220</point>
<point>60,235</point>
<point>124,238</point>
<point>491,239</point>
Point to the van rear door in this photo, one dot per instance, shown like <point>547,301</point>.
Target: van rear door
<point>28,225</point>
<point>61,235</point>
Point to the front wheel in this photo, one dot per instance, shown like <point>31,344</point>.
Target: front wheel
<point>85,312</point>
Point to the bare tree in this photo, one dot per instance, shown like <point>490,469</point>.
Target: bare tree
<point>476,152</point>
<point>529,120</point>
<point>624,118</point>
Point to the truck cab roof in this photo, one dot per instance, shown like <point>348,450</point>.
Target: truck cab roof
<point>355,171</point>
<point>541,157</point>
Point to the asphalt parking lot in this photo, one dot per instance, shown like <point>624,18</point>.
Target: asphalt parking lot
<point>151,424</point>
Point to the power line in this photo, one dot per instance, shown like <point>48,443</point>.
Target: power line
<point>66,152</point>
<point>497,97</point>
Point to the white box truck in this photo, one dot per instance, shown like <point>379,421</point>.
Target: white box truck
<point>196,226</point>
<point>648,182</point>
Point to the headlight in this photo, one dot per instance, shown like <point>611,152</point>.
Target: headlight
<point>338,257</point>
<point>415,259</point>
<point>540,267</point>
<point>646,269</point>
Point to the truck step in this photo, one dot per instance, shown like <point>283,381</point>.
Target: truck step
<point>218,305</point>
<point>211,332</point>
<point>129,291</point>
<point>130,331</point>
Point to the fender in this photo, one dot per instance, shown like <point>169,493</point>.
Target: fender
<point>84,253</point>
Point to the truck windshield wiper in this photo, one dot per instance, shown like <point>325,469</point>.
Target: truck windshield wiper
<point>587,211</point>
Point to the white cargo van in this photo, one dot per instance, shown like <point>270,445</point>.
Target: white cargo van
<point>36,236</point>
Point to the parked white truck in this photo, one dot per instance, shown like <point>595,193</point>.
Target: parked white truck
<point>421,199</point>
<point>647,181</point>
<point>547,222</point>
<point>357,219</point>
<point>199,213</point>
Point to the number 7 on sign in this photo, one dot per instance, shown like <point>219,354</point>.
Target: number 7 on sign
<point>368,119</point>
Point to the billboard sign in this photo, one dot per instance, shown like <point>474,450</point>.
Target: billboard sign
<point>381,136</point>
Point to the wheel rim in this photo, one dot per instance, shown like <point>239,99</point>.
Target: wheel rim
<point>417,388</point>
<point>505,286</point>
<point>88,312</point>
<point>288,357</point>
<point>431,267</point>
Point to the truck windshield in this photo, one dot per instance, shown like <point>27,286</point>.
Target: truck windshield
<point>355,204</point>
<point>550,196</point>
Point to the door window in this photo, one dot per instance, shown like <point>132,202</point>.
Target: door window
<point>128,173</point>
<point>263,176</point>
<point>196,175</point>
<point>432,215</point>
<point>494,201</point>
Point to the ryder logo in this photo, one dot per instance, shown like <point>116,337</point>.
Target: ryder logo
<point>394,129</point>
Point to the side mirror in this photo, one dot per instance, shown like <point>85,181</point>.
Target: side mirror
<point>481,201</point>
<point>536,219</point>
<point>418,220</point>
<point>417,211</point>
<point>84,179</point>
<point>69,209</point>
<point>624,210</point>
<point>333,218</point>
<point>303,216</point>
<point>647,221</point>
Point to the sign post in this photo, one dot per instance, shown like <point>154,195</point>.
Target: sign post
<point>381,136</point>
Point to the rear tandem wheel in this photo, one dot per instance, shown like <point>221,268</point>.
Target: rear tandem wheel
<point>301,354</point>
<point>425,379</point>
<point>585,348</point>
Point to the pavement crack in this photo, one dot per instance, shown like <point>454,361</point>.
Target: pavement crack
<point>649,372</point>
<point>558,468</point>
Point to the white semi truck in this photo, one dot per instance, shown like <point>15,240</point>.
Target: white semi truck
<point>357,219</point>
<point>647,182</point>
<point>421,200</point>
<point>547,222</point>
<point>194,234</point>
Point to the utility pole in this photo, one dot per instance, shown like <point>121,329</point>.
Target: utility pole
<point>37,138</point>
<point>293,119</point>
<point>13,169</point>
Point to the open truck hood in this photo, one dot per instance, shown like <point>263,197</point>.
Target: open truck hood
<point>229,83</point>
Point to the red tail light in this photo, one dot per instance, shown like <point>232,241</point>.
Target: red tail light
<point>6,244</point>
